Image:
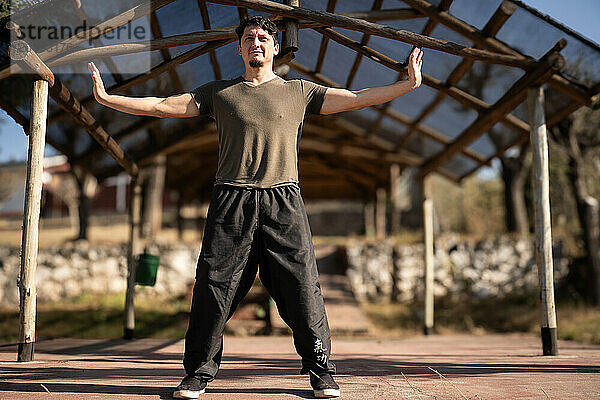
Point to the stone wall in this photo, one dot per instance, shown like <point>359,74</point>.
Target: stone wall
<point>76,268</point>
<point>383,271</point>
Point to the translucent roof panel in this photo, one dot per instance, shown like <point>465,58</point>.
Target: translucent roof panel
<point>450,118</point>
<point>477,13</point>
<point>460,165</point>
<point>582,56</point>
<point>483,146</point>
<point>489,82</point>
<point>412,103</point>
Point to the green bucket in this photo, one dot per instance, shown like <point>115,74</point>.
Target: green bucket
<point>145,272</point>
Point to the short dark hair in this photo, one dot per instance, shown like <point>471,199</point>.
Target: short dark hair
<point>262,22</point>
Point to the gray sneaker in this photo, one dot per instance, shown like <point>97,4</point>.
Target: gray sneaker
<point>190,387</point>
<point>323,385</point>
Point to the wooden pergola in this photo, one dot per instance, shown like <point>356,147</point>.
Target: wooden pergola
<point>453,125</point>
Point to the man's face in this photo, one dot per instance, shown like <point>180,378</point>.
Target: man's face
<point>257,47</point>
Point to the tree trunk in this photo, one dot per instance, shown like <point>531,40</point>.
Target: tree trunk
<point>86,185</point>
<point>589,218</point>
<point>514,175</point>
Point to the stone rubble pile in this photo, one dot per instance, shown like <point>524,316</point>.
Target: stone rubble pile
<point>382,271</point>
<point>77,268</point>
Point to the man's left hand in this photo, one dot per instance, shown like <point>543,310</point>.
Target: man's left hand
<point>415,61</point>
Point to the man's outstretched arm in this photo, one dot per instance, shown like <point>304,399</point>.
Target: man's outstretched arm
<point>338,100</point>
<point>182,105</point>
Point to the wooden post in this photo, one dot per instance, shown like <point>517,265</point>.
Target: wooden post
<point>135,206</point>
<point>290,35</point>
<point>543,231</point>
<point>31,217</point>
<point>429,260</point>
<point>369,213</point>
<point>380,214</point>
<point>395,198</point>
<point>155,181</point>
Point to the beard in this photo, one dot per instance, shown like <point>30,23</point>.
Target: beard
<point>256,63</point>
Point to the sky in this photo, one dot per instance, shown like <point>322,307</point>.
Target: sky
<point>579,15</point>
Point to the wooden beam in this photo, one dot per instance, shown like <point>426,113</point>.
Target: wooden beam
<point>444,5</point>
<point>145,46</point>
<point>380,30</point>
<point>457,94</point>
<point>213,56</point>
<point>499,152</point>
<point>433,134</point>
<point>548,65</point>
<point>324,146</point>
<point>107,26</point>
<point>388,14</point>
<point>492,44</point>
<point>16,116</point>
<point>69,103</point>
<point>154,72</point>
<point>290,34</point>
<point>324,40</point>
<point>363,41</point>
<point>503,12</point>
<point>20,53</point>
<point>157,34</point>
<point>150,151</point>
<point>112,68</point>
<point>31,216</point>
<point>144,123</point>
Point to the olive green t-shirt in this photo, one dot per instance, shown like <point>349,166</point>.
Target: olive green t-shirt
<point>259,127</point>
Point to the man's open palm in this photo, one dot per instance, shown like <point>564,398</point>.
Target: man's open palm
<point>97,84</point>
<point>415,62</point>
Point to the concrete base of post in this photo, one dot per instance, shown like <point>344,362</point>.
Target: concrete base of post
<point>427,330</point>
<point>25,352</point>
<point>549,341</point>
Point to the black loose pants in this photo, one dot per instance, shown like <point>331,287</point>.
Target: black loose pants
<point>246,228</point>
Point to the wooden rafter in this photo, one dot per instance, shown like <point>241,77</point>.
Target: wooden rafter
<point>380,30</point>
<point>206,21</point>
<point>324,40</point>
<point>157,34</point>
<point>141,46</point>
<point>492,44</point>
<point>432,134</point>
<point>154,72</point>
<point>112,68</point>
<point>357,131</point>
<point>547,66</point>
<point>457,94</point>
<point>363,41</point>
<point>429,26</point>
<point>504,11</point>
<point>153,150</point>
<point>143,123</point>
<point>21,53</point>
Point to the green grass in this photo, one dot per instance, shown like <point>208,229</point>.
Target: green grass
<point>519,313</point>
<point>100,317</point>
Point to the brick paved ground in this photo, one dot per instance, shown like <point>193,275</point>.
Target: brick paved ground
<point>473,367</point>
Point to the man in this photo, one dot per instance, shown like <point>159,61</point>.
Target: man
<point>256,214</point>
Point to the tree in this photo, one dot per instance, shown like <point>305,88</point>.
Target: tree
<point>578,136</point>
